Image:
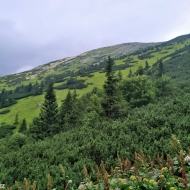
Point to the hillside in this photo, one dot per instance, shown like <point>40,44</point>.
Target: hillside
<point>87,68</point>
<point>29,106</point>
<point>138,103</point>
<point>73,63</point>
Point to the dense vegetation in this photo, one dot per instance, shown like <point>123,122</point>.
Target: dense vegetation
<point>127,115</point>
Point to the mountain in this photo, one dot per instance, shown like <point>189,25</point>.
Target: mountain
<point>72,63</point>
<point>82,72</point>
<point>120,114</point>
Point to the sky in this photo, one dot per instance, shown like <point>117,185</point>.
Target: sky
<point>35,32</point>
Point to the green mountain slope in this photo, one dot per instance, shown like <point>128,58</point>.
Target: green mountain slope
<point>87,67</point>
<point>70,64</point>
<point>146,109</point>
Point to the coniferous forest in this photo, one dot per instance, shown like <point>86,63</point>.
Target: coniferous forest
<point>136,118</point>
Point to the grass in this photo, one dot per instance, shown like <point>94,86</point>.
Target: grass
<point>27,108</point>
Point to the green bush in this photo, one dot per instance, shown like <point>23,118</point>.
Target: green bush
<point>17,141</point>
<point>6,130</point>
<point>5,111</point>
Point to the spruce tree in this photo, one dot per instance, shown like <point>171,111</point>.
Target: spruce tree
<point>109,85</point>
<point>161,68</point>
<point>66,108</point>
<point>146,65</point>
<point>49,110</point>
<point>29,87</point>
<point>139,71</point>
<point>47,122</point>
<point>16,119</point>
<point>110,90</point>
<point>23,126</point>
<point>130,74</point>
<point>69,111</point>
<point>119,76</point>
<point>76,111</point>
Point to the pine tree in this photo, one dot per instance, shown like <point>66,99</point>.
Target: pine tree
<point>66,108</point>
<point>29,87</point>
<point>146,65</point>
<point>110,90</point>
<point>76,111</point>
<point>119,76</point>
<point>23,127</point>
<point>130,74</point>
<point>49,108</point>
<point>69,111</point>
<point>16,119</point>
<point>47,122</point>
<point>74,95</point>
<point>139,71</point>
<point>161,68</point>
<point>109,85</point>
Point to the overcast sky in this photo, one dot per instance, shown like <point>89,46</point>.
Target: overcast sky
<point>35,32</point>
